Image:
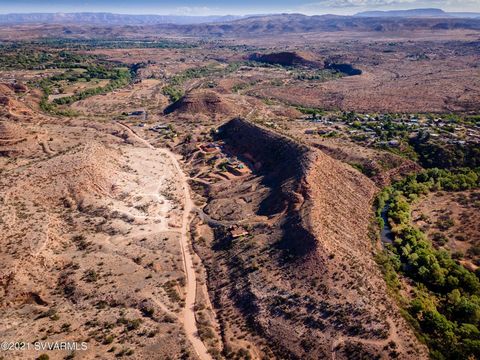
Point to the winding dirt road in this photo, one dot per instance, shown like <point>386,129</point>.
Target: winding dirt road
<point>189,320</point>
<point>188,314</point>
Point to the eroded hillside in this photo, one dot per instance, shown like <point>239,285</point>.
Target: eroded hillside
<point>94,236</point>
<point>289,257</point>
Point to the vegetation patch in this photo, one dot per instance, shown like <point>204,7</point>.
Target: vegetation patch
<point>444,307</point>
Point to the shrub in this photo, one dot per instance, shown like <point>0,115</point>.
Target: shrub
<point>90,275</point>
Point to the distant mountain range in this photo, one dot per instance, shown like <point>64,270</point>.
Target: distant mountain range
<point>281,24</point>
<point>94,18</point>
<point>108,19</point>
<point>435,13</point>
<point>246,27</point>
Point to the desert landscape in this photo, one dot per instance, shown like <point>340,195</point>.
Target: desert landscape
<point>252,187</point>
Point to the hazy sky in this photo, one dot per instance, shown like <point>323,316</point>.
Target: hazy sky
<point>212,7</point>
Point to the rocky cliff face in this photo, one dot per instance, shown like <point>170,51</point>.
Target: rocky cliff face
<point>282,162</point>
<point>304,280</point>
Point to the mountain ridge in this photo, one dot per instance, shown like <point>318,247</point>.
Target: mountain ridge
<point>257,25</point>
<point>420,12</point>
<point>110,18</point>
<point>297,23</point>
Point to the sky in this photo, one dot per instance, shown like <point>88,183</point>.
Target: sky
<point>239,7</point>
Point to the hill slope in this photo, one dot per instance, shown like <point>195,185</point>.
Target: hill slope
<point>304,280</point>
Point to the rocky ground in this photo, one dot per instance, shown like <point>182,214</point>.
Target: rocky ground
<point>180,233</point>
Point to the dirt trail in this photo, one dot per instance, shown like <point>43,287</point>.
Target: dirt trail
<point>189,320</point>
<point>392,336</point>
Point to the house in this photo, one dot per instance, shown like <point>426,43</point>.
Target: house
<point>142,114</point>
<point>238,169</point>
<point>210,148</point>
<point>237,232</point>
<point>137,113</point>
<point>161,128</point>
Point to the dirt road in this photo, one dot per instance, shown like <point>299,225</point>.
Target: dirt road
<point>189,320</point>
<point>188,315</point>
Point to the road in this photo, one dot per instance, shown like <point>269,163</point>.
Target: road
<point>189,320</point>
<point>188,314</point>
